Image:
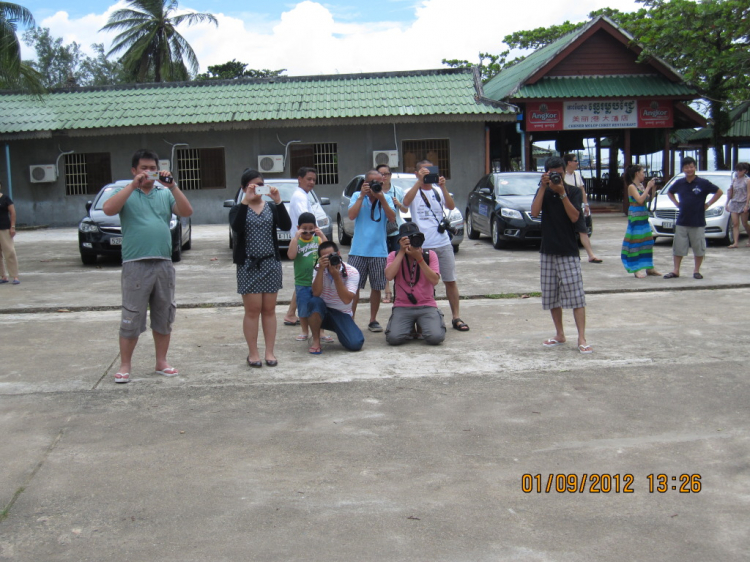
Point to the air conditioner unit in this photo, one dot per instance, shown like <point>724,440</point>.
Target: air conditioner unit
<point>164,165</point>
<point>389,157</point>
<point>43,173</point>
<point>271,163</point>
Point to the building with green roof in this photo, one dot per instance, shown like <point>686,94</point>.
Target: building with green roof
<point>61,149</point>
<point>590,83</point>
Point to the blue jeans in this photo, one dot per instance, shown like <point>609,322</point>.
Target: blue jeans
<point>304,294</point>
<point>334,320</point>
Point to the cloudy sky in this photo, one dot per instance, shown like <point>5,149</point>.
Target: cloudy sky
<point>349,36</point>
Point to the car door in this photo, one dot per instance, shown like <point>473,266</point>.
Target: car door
<point>484,204</point>
<point>354,186</point>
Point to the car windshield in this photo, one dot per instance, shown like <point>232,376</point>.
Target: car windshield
<point>507,185</point>
<point>286,189</point>
<point>105,194</point>
<point>720,180</point>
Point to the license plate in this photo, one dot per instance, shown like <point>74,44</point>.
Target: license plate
<point>115,241</point>
<point>284,236</point>
<point>667,224</point>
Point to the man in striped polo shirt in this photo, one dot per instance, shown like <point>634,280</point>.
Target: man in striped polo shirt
<point>334,288</point>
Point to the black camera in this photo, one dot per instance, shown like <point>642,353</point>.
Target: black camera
<point>445,225</point>
<point>334,259</point>
<point>412,298</point>
<point>376,186</point>
<point>658,180</point>
<point>555,177</point>
<point>416,240</point>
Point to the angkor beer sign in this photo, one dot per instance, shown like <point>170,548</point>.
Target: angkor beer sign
<point>598,114</point>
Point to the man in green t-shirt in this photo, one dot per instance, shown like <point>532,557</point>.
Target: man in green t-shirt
<point>148,276</point>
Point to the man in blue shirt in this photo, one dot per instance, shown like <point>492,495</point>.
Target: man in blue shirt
<point>370,209</point>
<point>689,196</point>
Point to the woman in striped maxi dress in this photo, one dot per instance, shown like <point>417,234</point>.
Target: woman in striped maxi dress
<point>638,245</point>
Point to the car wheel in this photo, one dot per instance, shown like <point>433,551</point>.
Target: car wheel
<point>455,248</point>
<point>344,239</point>
<point>231,240</point>
<point>88,259</point>
<point>470,232</point>
<point>177,250</point>
<point>189,242</point>
<point>497,241</point>
<point>728,240</point>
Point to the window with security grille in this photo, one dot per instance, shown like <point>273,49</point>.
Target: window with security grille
<point>436,151</point>
<point>201,168</point>
<point>321,156</point>
<point>87,173</point>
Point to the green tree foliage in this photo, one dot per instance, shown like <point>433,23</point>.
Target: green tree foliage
<point>235,69</point>
<point>64,66</point>
<point>487,70</point>
<point>151,44</point>
<point>14,73</point>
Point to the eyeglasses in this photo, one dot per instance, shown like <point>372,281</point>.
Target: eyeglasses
<point>386,174</point>
<point>576,161</point>
<point>308,232</point>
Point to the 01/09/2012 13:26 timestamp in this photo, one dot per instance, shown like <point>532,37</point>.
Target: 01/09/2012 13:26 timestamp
<point>605,483</point>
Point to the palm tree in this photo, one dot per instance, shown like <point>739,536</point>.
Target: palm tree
<point>152,45</point>
<point>14,73</point>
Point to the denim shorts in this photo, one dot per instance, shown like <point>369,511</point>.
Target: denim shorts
<point>304,294</point>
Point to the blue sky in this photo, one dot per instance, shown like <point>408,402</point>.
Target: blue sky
<point>349,36</point>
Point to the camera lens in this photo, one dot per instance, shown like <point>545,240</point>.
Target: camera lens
<point>376,187</point>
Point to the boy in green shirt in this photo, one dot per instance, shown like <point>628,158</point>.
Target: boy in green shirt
<point>303,249</point>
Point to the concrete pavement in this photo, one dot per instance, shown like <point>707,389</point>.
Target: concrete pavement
<point>410,453</point>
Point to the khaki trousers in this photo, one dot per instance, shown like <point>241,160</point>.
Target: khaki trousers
<point>8,255</point>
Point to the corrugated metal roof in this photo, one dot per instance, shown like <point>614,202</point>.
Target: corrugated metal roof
<point>740,129</point>
<point>510,83</point>
<point>393,94</point>
<point>602,87</point>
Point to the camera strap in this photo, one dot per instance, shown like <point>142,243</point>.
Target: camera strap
<point>372,211</point>
<point>427,203</point>
<point>413,272</point>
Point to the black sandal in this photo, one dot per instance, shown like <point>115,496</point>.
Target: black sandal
<point>460,325</point>
<point>253,363</point>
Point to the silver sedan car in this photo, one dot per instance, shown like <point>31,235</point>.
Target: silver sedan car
<point>403,181</point>
<point>286,188</point>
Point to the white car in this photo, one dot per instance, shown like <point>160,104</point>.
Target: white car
<point>663,214</point>
<point>405,182</point>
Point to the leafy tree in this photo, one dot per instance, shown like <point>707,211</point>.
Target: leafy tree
<point>150,41</point>
<point>495,64</point>
<point>62,66</point>
<point>14,73</point>
<point>235,69</point>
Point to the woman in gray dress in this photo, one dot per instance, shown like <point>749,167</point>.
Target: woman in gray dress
<point>738,201</point>
<point>256,253</point>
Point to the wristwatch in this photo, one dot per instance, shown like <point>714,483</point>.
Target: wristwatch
<point>563,196</point>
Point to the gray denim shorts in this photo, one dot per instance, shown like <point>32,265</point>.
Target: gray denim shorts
<point>447,262</point>
<point>147,283</point>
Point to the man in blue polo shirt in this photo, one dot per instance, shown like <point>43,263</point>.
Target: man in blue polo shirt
<point>689,196</point>
<point>371,209</point>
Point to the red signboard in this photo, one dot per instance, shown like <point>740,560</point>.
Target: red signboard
<point>544,116</point>
<point>655,114</point>
<point>599,114</point>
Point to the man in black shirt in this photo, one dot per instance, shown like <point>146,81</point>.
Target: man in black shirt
<point>561,279</point>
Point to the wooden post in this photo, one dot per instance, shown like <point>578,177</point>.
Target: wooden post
<point>628,162</point>
<point>486,149</point>
<point>665,164</point>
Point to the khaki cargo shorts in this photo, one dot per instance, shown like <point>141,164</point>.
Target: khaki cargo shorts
<point>147,284</point>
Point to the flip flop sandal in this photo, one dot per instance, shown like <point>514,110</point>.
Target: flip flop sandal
<point>596,260</point>
<point>552,342</point>
<point>122,377</point>
<point>585,349</point>
<point>315,351</point>
<point>387,299</point>
<point>327,339</point>
<point>460,325</point>
<point>697,276</point>
<point>288,323</point>
<point>168,372</point>
<point>671,275</point>
<point>302,337</point>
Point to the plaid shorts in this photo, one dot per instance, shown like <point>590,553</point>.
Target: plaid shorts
<point>562,282</point>
<point>374,268</point>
